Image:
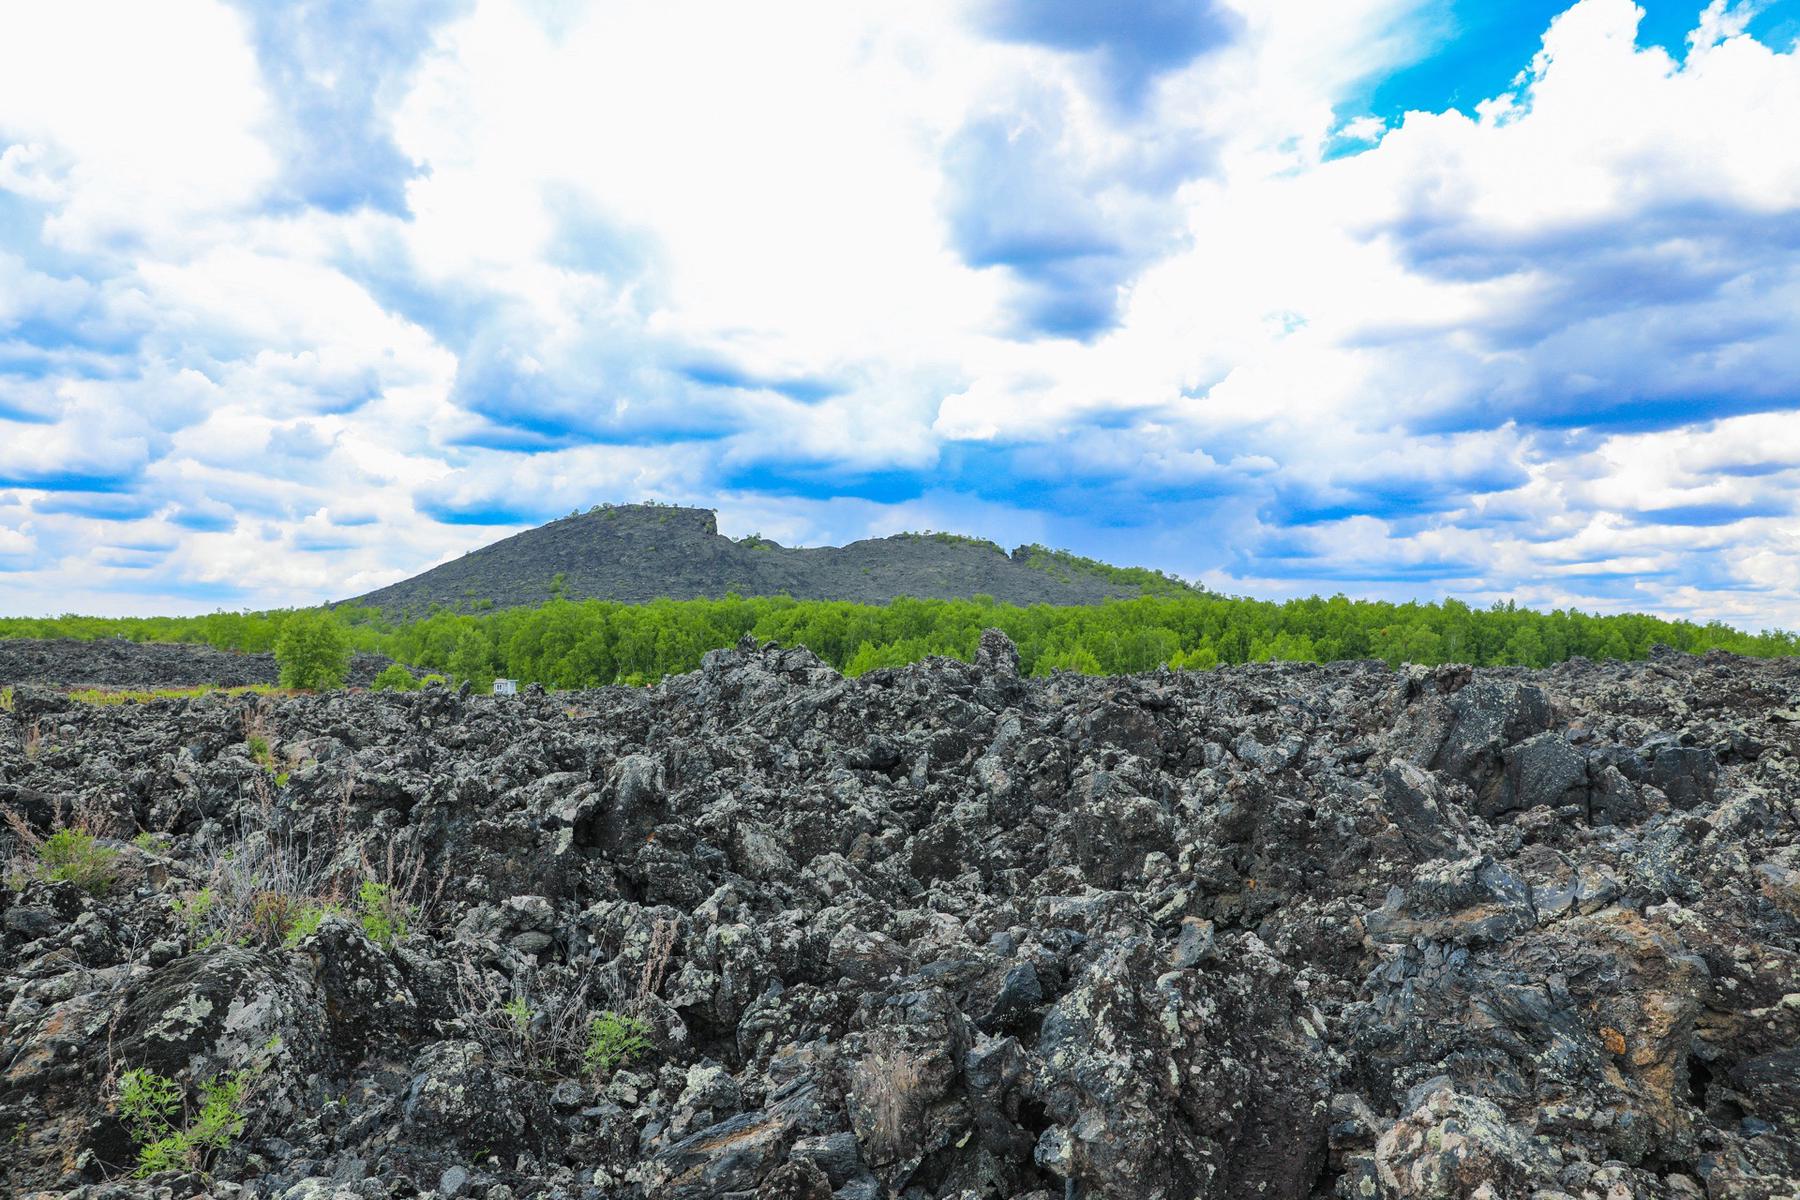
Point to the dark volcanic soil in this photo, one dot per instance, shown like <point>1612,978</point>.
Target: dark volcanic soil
<point>114,662</point>
<point>1278,932</point>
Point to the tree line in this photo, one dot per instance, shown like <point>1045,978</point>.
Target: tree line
<point>569,644</point>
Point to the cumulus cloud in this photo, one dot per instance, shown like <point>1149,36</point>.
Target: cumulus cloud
<point>295,300</point>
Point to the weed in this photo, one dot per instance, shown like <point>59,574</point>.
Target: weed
<point>306,921</point>
<point>6,699</point>
<point>520,1011</point>
<point>151,843</point>
<point>613,1041</point>
<point>170,1135</point>
<point>192,911</point>
<point>533,1025</point>
<point>74,856</point>
<point>384,915</point>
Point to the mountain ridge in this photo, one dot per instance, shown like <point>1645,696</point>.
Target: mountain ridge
<point>635,553</point>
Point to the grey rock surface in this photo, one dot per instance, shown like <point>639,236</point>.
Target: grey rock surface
<point>935,933</point>
<point>117,663</point>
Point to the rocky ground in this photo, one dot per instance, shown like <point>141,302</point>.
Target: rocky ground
<point>117,663</point>
<point>1281,931</point>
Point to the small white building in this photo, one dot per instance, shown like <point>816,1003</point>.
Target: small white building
<point>506,687</point>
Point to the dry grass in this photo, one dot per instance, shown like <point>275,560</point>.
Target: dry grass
<point>272,875</point>
<point>533,1025</point>
<point>111,696</point>
<point>656,960</point>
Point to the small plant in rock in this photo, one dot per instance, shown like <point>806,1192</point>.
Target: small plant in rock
<point>6,699</point>
<point>170,1134</point>
<point>385,917</point>
<point>533,1025</point>
<point>151,843</point>
<point>306,919</point>
<point>260,753</point>
<point>74,856</point>
<point>196,912</point>
<point>613,1041</point>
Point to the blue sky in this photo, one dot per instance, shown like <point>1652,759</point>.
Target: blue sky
<point>1397,298</point>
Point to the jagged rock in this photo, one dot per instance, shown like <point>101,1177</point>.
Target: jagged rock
<point>941,931</point>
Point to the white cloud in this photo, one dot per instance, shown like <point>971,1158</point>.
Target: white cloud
<point>1537,350</point>
<point>139,118</point>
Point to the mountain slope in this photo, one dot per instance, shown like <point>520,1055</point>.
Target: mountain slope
<point>641,552</point>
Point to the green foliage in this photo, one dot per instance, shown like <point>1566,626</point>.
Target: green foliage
<point>1198,658</point>
<point>472,661</point>
<point>73,856</point>
<point>519,1012</point>
<point>301,923</point>
<point>6,699</point>
<point>396,678</point>
<point>169,1136</point>
<point>567,644</point>
<point>193,909</point>
<point>1069,658</point>
<point>613,1041</point>
<point>385,918</point>
<point>258,745</point>
<point>151,843</point>
<point>312,651</point>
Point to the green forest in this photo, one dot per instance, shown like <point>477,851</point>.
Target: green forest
<point>570,644</point>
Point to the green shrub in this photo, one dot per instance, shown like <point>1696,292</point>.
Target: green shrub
<point>613,1041</point>
<point>396,678</point>
<point>155,1111</point>
<point>384,915</point>
<point>306,922</point>
<point>259,750</point>
<point>313,652</point>
<point>73,856</point>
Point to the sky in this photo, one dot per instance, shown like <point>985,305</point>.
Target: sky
<point>1398,298</point>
